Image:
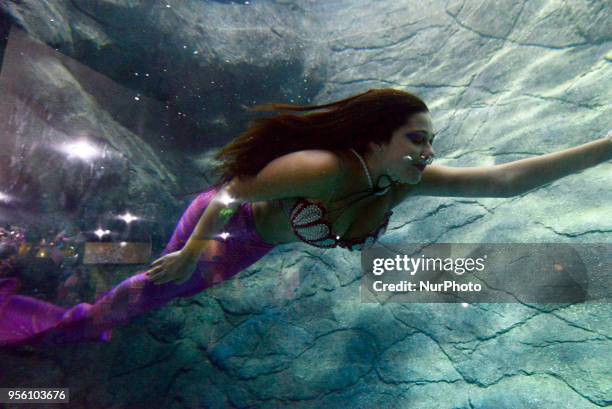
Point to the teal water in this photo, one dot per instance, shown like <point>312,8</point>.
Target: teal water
<point>110,115</point>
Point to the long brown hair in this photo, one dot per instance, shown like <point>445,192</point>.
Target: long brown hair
<point>349,123</point>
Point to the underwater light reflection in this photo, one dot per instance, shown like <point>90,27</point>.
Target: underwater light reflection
<point>100,233</point>
<point>5,198</point>
<point>81,149</point>
<point>128,217</point>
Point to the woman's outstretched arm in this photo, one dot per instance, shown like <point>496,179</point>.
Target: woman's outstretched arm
<point>527,174</point>
<point>506,179</point>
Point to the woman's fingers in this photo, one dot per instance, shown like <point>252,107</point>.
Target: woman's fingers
<point>160,279</point>
<point>159,275</point>
<point>154,271</point>
<point>168,268</point>
<point>165,279</point>
<point>156,282</point>
<point>159,260</point>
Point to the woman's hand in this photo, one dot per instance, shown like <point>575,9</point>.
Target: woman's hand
<point>177,266</point>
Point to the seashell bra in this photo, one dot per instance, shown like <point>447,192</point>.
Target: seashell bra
<point>310,225</point>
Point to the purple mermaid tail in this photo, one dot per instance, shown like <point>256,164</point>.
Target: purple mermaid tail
<point>28,321</point>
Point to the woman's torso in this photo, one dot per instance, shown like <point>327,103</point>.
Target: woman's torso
<point>355,221</point>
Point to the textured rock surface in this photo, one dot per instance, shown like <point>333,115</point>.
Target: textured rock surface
<point>504,80</point>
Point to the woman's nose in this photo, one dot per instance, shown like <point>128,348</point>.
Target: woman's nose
<point>428,154</point>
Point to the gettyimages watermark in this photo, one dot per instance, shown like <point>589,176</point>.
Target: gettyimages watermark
<point>487,273</point>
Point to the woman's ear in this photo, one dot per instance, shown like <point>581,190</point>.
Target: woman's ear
<point>374,147</point>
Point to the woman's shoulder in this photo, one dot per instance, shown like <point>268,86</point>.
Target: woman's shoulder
<point>333,163</point>
<point>306,173</point>
<point>327,155</point>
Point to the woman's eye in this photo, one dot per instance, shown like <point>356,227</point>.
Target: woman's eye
<point>415,137</point>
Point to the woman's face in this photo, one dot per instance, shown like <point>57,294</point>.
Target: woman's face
<point>414,138</point>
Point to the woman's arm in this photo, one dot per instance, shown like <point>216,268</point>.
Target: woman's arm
<point>527,174</point>
<point>507,179</point>
<point>211,223</point>
<point>306,173</point>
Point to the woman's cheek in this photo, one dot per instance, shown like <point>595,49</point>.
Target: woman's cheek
<point>412,176</point>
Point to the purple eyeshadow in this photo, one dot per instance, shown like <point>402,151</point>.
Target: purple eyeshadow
<point>415,137</point>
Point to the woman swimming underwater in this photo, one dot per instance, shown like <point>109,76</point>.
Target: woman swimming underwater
<point>329,179</point>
